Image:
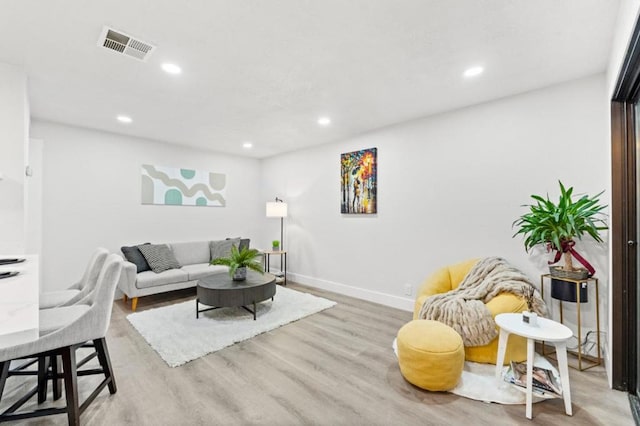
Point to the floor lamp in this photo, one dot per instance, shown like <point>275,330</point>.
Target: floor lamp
<point>278,208</point>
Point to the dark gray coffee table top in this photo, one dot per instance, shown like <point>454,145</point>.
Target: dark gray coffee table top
<point>220,291</point>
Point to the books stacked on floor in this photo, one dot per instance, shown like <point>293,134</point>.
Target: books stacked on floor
<point>543,381</point>
<point>279,277</point>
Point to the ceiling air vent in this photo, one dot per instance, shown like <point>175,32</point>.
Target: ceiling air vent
<point>125,44</point>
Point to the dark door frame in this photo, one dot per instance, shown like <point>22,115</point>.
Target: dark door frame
<point>624,237</point>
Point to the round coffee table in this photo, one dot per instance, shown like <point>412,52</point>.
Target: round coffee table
<point>220,291</point>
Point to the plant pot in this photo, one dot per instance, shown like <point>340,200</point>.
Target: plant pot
<point>275,248</point>
<point>576,274</point>
<point>240,274</point>
<point>530,318</point>
<point>566,291</point>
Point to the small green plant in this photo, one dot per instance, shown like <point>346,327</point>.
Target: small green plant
<point>556,225</point>
<point>275,243</point>
<point>239,259</point>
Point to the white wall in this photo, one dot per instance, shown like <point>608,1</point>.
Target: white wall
<point>14,122</point>
<point>33,204</point>
<point>627,17</point>
<point>91,197</point>
<point>449,188</point>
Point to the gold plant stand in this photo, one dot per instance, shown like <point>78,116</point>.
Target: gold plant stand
<point>589,360</point>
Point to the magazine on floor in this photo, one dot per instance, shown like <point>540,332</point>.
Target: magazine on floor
<point>543,380</point>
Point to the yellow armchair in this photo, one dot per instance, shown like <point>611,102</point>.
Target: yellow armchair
<point>447,279</point>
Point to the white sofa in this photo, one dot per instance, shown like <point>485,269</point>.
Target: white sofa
<point>194,258</point>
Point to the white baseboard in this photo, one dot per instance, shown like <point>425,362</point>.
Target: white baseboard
<point>397,302</point>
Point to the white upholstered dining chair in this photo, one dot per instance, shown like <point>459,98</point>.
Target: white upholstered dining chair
<point>74,326</point>
<point>80,289</point>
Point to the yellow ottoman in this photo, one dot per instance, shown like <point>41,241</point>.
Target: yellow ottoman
<point>430,354</point>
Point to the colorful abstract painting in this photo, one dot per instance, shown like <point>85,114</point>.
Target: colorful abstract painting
<point>182,187</point>
<point>359,181</point>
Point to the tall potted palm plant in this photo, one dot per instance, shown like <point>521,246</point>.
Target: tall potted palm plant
<point>557,225</point>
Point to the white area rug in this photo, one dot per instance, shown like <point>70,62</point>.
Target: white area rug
<point>478,381</point>
<point>178,337</point>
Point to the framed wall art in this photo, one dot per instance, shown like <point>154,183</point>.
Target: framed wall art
<point>359,182</point>
<point>182,187</point>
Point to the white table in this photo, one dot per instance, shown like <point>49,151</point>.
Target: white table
<point>19,302</point>
<point>546,330</point>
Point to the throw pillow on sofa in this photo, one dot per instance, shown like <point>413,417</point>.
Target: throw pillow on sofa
<point>133,255</point>
<point>159,256</point>
<point>244,242</point>
<point>222,248</point>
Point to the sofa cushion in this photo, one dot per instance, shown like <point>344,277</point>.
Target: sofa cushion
<point>244,242</point>
<point>192,252</point>
<point>151,279</point>
<point>201,270</point>
<point>159,256</point>
<point>222,248</point>
<point>133,255</point>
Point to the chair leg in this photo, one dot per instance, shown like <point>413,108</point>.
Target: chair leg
<point>134,304</point>
<point>71,384</point>
<point>43,369</point>
<point>105,362</point>
<point>125,298</point>
<point>56,368</point>
<point>4,373</point>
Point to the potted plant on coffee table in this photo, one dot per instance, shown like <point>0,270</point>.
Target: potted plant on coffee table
<point>239,260</point>
<point>557,225</point>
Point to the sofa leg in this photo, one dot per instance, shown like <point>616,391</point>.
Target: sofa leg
<point>134,304</point>
<point>125,298</point>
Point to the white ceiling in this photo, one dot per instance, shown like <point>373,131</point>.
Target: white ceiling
<point>264,71</point>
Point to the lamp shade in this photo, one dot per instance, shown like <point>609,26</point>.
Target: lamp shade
<point>276,209</point>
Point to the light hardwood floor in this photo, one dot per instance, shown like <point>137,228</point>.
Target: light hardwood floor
<point>332,368</point>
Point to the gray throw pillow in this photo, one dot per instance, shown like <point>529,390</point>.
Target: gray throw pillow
<point>159,257</point>
<point>133,255</point>
<point>244,242</point>
<point>222,248</point>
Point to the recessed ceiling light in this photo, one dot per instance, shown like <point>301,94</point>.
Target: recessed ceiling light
<point>124,119</point>
<point>473,71</point>
<point>247,145</point>
<point>171,68</point>
<point>324,121</point>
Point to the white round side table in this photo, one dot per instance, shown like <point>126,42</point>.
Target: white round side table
<point>547,330</point>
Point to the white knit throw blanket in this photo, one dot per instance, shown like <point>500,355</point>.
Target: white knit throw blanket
<point>464,310</point>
